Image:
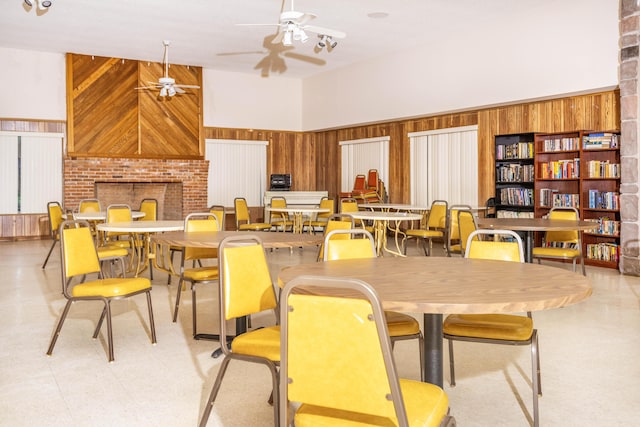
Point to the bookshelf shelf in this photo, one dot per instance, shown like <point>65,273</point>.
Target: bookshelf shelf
<point>514,175</point>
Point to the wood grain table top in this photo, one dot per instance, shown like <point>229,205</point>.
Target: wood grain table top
<point>142,226</point>
<point>213,239</point>
<point>441,285</point>
<point>535,224</point>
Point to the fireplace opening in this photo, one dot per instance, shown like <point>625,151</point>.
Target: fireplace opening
<point>168,195</point>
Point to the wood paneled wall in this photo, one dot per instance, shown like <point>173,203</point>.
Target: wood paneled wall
<point>313,158</point>
<point>108,117</point>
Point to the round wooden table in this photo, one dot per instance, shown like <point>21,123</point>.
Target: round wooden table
<point>102,216</point>
<point>530,225</point>
<point>439,285</point>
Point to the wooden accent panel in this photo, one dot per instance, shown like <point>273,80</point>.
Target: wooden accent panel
<point>103,106</point>
<point>23,226</point>
<point>107,117</point>
<point>170,126</point>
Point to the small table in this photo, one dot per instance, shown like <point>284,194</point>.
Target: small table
<point>381,223</point>
<point>438,285</point>
<point>530,225</point>
<point>298,213</point>
<point>386,207</point>
<point>142,230</point>
<point>102,216</point>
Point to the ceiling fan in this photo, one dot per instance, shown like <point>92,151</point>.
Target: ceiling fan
<point>293,26</point>
<point>166,84</point>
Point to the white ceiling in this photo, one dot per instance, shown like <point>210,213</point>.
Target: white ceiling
<point>204,32</point>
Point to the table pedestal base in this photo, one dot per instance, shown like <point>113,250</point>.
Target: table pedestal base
<point>433,349</point>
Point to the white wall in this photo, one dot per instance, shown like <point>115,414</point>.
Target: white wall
<point>573,48</point>
<point>33,85</point>
<point>238,100</point>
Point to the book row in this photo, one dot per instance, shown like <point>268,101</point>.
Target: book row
<point>603,252</point>
<point>519,150</point>
<point>603,169</point>
<point>560,169</point>
<point>550,198</point>
<point>560,144</point>
<point>516,196</point>
<point>606,226</point>
<point>514,173</point>
<point>600,141</point>
<point>514,214</point>
<point>604,200</point>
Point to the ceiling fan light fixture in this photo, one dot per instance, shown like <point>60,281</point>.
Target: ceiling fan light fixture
<point>171,91</point>
<point>288,38</point>
<point>163,92</point>
<point>45,3</point>
<point>332,43</point>
<point>28,2</point>
<point>322,42</point>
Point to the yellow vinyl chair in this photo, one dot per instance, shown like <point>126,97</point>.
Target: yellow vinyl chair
<point>89,205</point>
<point>194,223</point>
<point>505,329</point>
<point>246,289</point>
<point>454,239</point>
<point>564,244</point>
<point>466,226</point>
<point>219,212</point>
<point>280,220</point>
<point>118,213</point>
<point>335,222</point>
<point>434,226</point>
<point>349,204</point>
<point>149,207</point>
<point>79,258</point>
<point>322,218</point>
<point>243,217</point>
<point>54,212</point>
<point>453,231</point>
<point>337,362</point>
<point>401,326</point>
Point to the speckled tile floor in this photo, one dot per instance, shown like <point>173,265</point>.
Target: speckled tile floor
<point>588,359</point>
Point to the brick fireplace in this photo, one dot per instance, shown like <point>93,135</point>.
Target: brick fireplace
<point>180,186</point>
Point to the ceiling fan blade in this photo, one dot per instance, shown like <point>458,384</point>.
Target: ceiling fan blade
<point>326,31</point>
<point>188,86</point>
<point>305,58</point>
<point>306,17</point>
<point>178,90</point>
<point>278,37</point>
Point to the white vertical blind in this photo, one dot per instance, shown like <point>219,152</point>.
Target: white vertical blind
<point>444,166</point>
<point>41,172</point>
<point>236,169</point>
<point>30,170</point>
<point>9,174</point>
<point>360,155</point>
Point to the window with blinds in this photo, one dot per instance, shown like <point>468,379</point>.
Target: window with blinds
<point>444,166</point>
<point>30,171</point>
<point>236,169</point>
<point>360,155</point>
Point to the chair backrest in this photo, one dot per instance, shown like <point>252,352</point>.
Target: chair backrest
<point>505,245</point>
<point>466,226</point>
<point>347,247</point>
<point>199,222</point>
<point>89,205</point>
<point>219,212</point>
<point>77,251</point>
<point>360,183</point>
<point>335,222</point>
<point>278,202</point>
<point>564,236</point>
<point>372,179</point>
<point>351,367</point>
<point>348,204</point>
<point>453,229</point>
<point>326,203</point>
<point>150,209</point>
<point>242,211</point>
<point>438,213</point>
<point>245,281</point>
<point>54,211</point>
<point>118,213</point>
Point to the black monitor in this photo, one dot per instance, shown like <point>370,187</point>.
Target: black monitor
<point>280,182</point>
